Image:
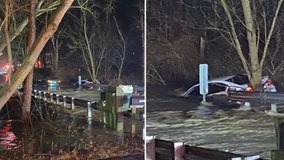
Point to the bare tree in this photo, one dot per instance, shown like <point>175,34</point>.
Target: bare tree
<point>120,50</point>
<point>18,77</point>
<point>248,26</point>
<point>56,43</point>
<point>254,66</point>
<point>275,60</point>
<point>8,15</point>
<point>19,23</point>
<point>89,35</point>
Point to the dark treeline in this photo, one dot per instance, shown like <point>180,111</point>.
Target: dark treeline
<point>182,34</point>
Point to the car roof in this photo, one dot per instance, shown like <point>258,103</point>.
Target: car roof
<point>223,78</point>
<point>220,80</point>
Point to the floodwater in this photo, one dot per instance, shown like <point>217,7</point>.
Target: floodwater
<point>67,131</point>
<point>224,127</point>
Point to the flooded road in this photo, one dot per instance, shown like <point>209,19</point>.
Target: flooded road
<point>68,132</point>
<point>221,127</point>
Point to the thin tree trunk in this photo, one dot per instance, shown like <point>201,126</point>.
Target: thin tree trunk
<point>56,44</point>
<point>122,55</point>
<point>18,77</point>
<point>7,35</point>
<point>202,49</point>
<point>29,79</point>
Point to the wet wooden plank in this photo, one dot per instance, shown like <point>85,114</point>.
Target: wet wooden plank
<point>164,150</point>
<point>209,154</point>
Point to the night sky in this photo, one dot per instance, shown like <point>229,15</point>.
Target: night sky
<point>128,15</point>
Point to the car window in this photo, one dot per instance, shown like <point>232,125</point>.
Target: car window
<point>239,79</point>
<point>216,87</point>
<point>212,88</point>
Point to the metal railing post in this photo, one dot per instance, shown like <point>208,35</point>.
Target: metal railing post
<point>57,99</point>
<point>72,103</point>
<point>273,108</point>
<point>35,93</point>
<point>89,112</point>
<point>44,96</point>
<point>64,101</point>
<point>39,94</point>
<point>51,97</point>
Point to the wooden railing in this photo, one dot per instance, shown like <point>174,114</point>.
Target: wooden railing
<point>157,149</point>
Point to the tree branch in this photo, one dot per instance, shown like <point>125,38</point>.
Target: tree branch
<point>18,77</point>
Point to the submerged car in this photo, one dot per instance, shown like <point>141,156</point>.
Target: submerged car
<point>221,85</point>
<point>48,82</point>
<point>53,82</point>
<point>84,82</point>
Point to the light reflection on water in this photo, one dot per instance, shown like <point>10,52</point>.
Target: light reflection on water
<point>9,141</point>
<point>222,127</point>
<point>234,130</point>
<point>67,131</point>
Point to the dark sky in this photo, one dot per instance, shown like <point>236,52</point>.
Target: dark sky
<point>128,15</point>
<point>127,12</point>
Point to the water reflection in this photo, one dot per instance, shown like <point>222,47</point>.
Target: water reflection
<point>53,88</point>
<point>8,141</point>
<point>66,131</point>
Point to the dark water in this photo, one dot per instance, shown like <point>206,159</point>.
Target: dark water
<point>67,131</point>
<point>223,126</point>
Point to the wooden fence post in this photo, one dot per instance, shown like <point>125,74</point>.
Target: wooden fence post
<point>179,150</point>
<point>150,147</point>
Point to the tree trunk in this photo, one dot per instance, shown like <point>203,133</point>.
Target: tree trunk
<point>18,77</point>
<point>122,56</point>
<point>7,35</point>
<point>28,83</point>
<point>256,69</point>
<point>56,44</point>
<point>202,49</point>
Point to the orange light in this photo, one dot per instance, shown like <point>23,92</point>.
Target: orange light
<point>249,89</point>
<point>38,64</point>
